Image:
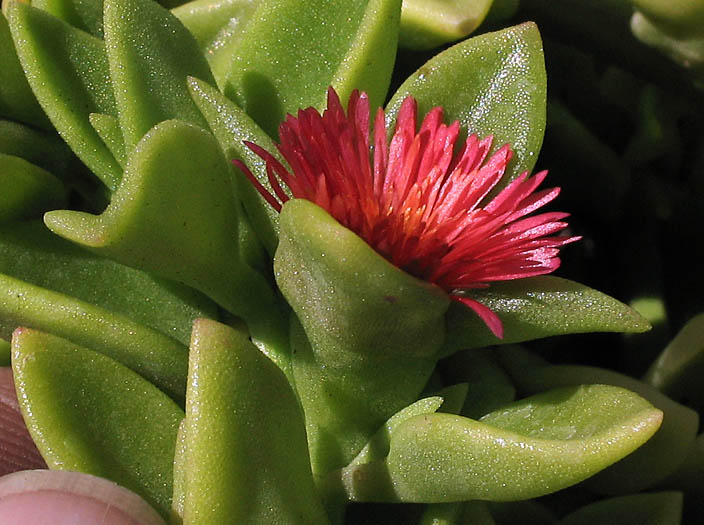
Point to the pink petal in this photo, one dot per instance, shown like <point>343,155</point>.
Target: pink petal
<point>491,320</point>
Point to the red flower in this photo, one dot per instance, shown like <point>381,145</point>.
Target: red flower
<point>416,203</point>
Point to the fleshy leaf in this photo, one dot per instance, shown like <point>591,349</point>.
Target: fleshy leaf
<point>178,499</point>
<point>426,24</point>
<point>30,252</point>
<point>108,128</point>
<point>378,446</point>
<point>16,98</point>
<point>68,72</point>
<point>150,55</point>
<point>232,126</point>
<point>83,14</point>
<point>41,148</point>
<point>661,508</point>
<point>538,307</point>
<point>533,447</point>
<point>494,84</point>
<point>4,353</point>
<point>243,419</point>
<point>206,19</point>
<point>663,454</point>
<point>217,25</point>
<point>175,215</point>
<point>275,70</point>
<point>88,413</point>
<point>680,367</point>
<point>26,191</point>
<point>156,357</point>
<point>368,335</point>
<point>489,386</point>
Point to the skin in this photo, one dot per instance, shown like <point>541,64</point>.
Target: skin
<point>60,497</point>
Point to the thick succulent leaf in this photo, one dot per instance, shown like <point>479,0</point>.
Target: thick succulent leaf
<point>538,307</point>
<point>680,367</point>
<point>41,148</point>
<point>677,17</point>
<point>494,84</point>
<point>489,385</point>
<point>426,24</point>
<point>30,252</point>
<point>150,55</point>
<point>175,215</point>
<point>658,508</point>
<point>685,49</point>
<point>533,447</point>
<point>368,334</point>
<point>663,454</point>
<point>26,191</point>
<point>217,25</point>
<point>16,98</point>
<point>380,310</point>
<point>206,19</point>
<point>83,14</point>
<point>68,72</point>
<point>108,128</point>
<point>275,70</point>
<point>90,414</point>
<point>378,446</point>
<point>232,126</point>
<point>243,419</point>
<point>690,476</point>
<point>4,353</point>
<point>178,499</point>
<point>158,358</point>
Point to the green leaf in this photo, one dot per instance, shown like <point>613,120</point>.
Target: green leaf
<point>494,84</point>
<point>680,18</point>
<point>68,72</point>
<point>663,454</point>
<point>83,14</point>
<point>41,148</point>
<point>88,413</point>
<point>178,499</point>
<point>156,357</point>
<point>108,128</point>
<point>175,215</point>
<point>489,386</point>
<point>378,446</point>
<point>275,70</point>
<point>368,334</point>
<point>231,127</point>
<point>217,25</point>
<point>533,447</point>
<point>426,24</point>
<point>538,307</point>
<point>16,98</point>
<point>242,418</point>
<point>679,368</point>
<point>5,352</point>
<point>150,55</point>
<point>208,19</point>
<point>661,508</point>
<point>30,252</point>
<point>26,191</point>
